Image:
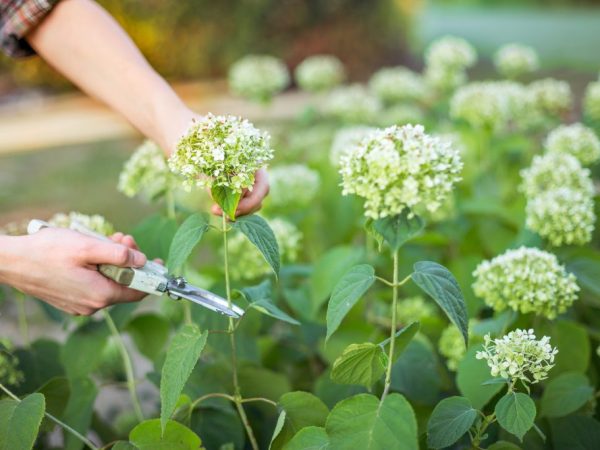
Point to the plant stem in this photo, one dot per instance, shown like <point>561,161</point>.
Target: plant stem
<point>127,365</point>
<point>23,326</point>
<point>61,424</point>
<point>388,373</point>
<point>237,397</point>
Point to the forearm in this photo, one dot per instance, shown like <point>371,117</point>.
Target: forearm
<point>8,258</point>
<point>88,46</point>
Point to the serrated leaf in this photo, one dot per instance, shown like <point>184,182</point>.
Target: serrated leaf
<point>152,435</point>
<point>396,230</point>
<point>82,352</point>
<point>346,293</point>
<point>20,422</point>
<point>227,199</point>
<point>359,364</point>
<point>449,421</point>
<point>259,233</point>
<point>440,284</point>
<point>182,356</point>
<point>309,438</point>
<point>150,333</point>
<point>516,413</point>
<point>566,394</point>
<point>186,238</point>
<point>266,307</point>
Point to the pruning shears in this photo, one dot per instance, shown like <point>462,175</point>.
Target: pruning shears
<point>152,278</point>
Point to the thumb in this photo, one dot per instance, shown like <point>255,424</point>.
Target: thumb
<point>115,254</point>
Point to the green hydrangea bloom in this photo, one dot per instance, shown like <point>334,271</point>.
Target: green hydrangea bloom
<point>591,101</point>
<point>450,52</point>
<point>73,220</point>
<point>514,60</point>
<point>258,77</point>
<point>353,104</point>
<point>444,79</point>
<point>10,375</point>
<point>293,185</point>
<point>577,140</point>
<point>397,84</point>
<point>415,308</point>
<point>146,172</point>
<point>550,97</point>
<point>526,280</point>
<point>452,346</point>
<point>319,73</point>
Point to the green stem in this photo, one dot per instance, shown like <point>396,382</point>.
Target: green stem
<point>23,325</point>
<point>388,373</point>
<point>127,364</point>
<point>61,424</point>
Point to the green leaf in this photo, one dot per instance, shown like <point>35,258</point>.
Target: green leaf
<point>154,236</point>
<point>56,392</point>
<point>78,413</point>
<point>122,445</point>
<point>153,435</point>
<point>260,382</point>
<point>396,230</point>
<point>278,428</point>
<point>302,409</point>
<point>573,345</point>
<point>359,364</point>
<point>575,432</point>
<point>403,338</point>
<point>227,199</point>
<point>218,426</point>
<point>182,356</point>
<point>258,231</point>
<point>585,264</point>
<point>309,438</point>
<point>449,421</point>
<point>346,293</point>
<point>150,333</point>
<point>82,352</point>
<point>361,422</point>
<point>516,413</point>
<point>441,285</point>
<point>471,375</point>
<point>20,422</point>
<point>266,307</point>
<point>186,238</point>
<point>503,445</point>
<point>566,394</point>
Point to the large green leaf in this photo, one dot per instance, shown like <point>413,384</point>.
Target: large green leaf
<point>396,230</point>
<point>309,438</point>
<point>150,333</point>
<point>503,445</point>
<point>302,409</point>
<point>362,364</point>
<point>154,236</point>
<point>186,238</point>
<point>20,422</point>
<point>449,421</point>
<point>82,352</point>
<point>346,293</point>
<point>182,356</point>
<point>575,432</point>
<point>403,338</point>
<point>573,345</point>
<point>227,199</point>
<point>259,297</point>
<point>516,413</point>
<point>56,393</point>
<point>471,375</point>
<point>361,422</point>
<point>258,231</point>
<point>153,435</point>
<point>79,410</point>
<point>566,394</point>
<point>260,382</point>
<point>218,426</point>
<point>440,284</point>
<point>585,264</point>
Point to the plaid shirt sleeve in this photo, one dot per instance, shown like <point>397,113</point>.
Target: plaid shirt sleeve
<point>17,18</point>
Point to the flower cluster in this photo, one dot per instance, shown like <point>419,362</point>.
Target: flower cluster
<point>550,97</point>
<point>591,101</point>
<point>519,356</point>
<point>452,346</point>
<point>526,280</point>
<point>73,220</point>
<point>10,375</point>
<point>345,139</point>
<point>293,185</point>
<point>514,60</point>
<point>319,73</point>
<point>577,140</point>
<point>415,308</point>
<point>400,167</point>
<point>18,228</point>
<point>146,172</point>
<point>563,216</point>
<point>353,104</point>
<point>446,62</point>
<point>249,264</point>
<point>221,151</point>
<point>397,84</point>
<point>258,77</point>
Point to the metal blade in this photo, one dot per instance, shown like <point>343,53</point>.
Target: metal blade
<point>180,288</point>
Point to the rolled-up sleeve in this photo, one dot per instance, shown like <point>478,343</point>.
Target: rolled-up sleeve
<point>17,18</point>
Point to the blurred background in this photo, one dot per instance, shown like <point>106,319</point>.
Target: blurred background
<point>60,151</point>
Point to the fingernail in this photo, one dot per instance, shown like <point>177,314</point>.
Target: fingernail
<point>139,259</point>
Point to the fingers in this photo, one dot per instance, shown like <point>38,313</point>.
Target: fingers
<point>125,239</point>
<point>99,252</point>
<point>251,199</point>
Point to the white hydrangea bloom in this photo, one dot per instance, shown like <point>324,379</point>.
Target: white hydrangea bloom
<point>397,84</point>
<point>452,345</point>
<point>591,101</point>
<point>18,228</point>
<point>442,79</point>
<point>563,216</point>
<point>352,103</point>
<point>258,77</point>
<point>413,309</point>
<point>345,139</point>
<point>514,60</point>
<point>292,185</point>
<point>221,151</point>
<point>550,96</point>
<point>319,73</point>
<point>526,280</point>
<point>575,139</point>
<point>519,356</point>
<point>146,172</point>
<point>400,167</point>
<point>74,219</point>
<point>247,262</point>
<point>555,170</point>
<point>450,52</point>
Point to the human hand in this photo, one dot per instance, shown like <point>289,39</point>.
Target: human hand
<point>59,266</point>
<point>251,200</point>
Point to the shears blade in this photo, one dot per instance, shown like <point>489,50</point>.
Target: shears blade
<point>180,288</point>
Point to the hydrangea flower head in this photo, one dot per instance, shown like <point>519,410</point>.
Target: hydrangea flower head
<point>293,185</point>
<point>575,139</point>
<point>452,346</point>
<point>563,216</point>
<point>514,60</point>
<point>519,356</point>
<point>415,308</point>
<point>319,73</point>
<point>10,375</point>
<point>550,96</point>
<point>146,172</point>
<point>223,151</point>
<point>73,220</point>
<point>345,139</point>
<point>397,84</point>
<point>353,104</point>
<point>450,52</point>
<point>258,77</point>
<point>400,167</point>
<point>591,101</point>
<point>526,280</point>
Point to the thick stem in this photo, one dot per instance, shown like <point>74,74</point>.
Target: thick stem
<point>388,373</point>
<point>61,424</point>
<point>23,325</point>
<point>127,365</point>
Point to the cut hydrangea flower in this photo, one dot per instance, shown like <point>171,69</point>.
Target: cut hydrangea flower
<point>292,185</point>
<point>146,172</point>
<point>258,77</point>
<point>591,101</point>
<point>550,97</point>
<point>450,52</point>
<point>526,280</point>
<point>563,216</point>
<point>400,167</point>
<point>74,219</point>
<point>577,140</point>
<point>396,84</point>
<point>353,104</point>
<point>519,356</point>
<point>319,73</point>
<point>514,60</point>
<point>345,139</point>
